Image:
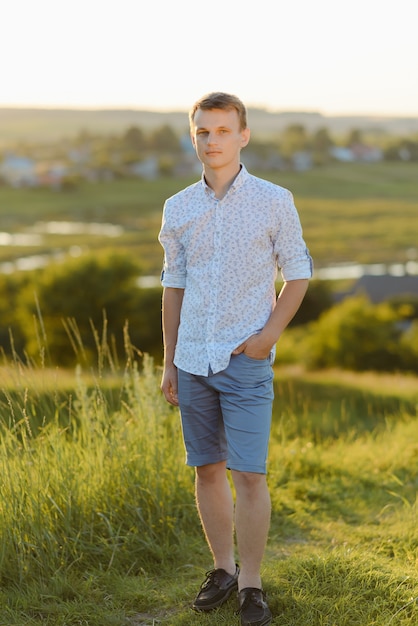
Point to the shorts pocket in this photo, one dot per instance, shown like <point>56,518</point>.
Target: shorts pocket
<point>253,360</point>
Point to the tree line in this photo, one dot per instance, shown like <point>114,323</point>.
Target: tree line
<point>118,152</point>
<point>69,313</point>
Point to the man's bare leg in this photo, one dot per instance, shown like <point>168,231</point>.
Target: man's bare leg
<point>216,509</point>
<point>252,522</point>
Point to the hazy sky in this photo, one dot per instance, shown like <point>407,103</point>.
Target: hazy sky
<point>330,56</point>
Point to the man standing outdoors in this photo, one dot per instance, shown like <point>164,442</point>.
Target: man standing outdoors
<point>224,239</point>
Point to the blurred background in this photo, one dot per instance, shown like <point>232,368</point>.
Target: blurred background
<point>94,137</point>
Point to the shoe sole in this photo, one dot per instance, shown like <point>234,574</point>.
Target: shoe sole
<point>269,620</point>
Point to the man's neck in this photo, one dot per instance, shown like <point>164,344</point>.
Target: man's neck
<point>221,180</point>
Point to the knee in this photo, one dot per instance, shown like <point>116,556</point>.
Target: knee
<point>211,473</point>
<point>248,482</point>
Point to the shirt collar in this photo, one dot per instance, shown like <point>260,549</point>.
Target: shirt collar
<point>238,181</point>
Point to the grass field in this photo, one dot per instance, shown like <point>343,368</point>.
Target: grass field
<point>97,518</point>
<point>98,525</point>
<point>364,213</point>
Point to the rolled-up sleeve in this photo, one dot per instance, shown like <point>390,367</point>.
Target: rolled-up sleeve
<point>293,256</point>
<point>174,266</point>
<point>298,268</point>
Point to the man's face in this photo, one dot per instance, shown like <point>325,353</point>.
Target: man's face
<point>217,137</point>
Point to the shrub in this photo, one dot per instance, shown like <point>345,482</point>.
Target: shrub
<point>318,298</point>
<point>66,301</point>
<point>356,335</point>
<point>11,333</point>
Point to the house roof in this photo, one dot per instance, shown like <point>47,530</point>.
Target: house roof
<point>380,288</point>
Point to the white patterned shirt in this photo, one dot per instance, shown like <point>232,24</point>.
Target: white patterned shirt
<point>225,255</point>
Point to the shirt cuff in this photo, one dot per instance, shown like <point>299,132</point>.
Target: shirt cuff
<point>298,269</point>
<point>177,281</point>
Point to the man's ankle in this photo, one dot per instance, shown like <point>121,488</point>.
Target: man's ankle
<point>230,567</point>
<point>245,580</point>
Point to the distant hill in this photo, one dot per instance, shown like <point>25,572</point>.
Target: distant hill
<point>35,124</point>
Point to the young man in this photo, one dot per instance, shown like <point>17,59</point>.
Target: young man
<point>224,238</point>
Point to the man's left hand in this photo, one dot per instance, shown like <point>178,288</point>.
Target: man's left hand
<point>254,347</point>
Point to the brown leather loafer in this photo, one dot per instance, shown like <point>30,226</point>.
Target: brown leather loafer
<point>215,589</point>
<point>253,607</point>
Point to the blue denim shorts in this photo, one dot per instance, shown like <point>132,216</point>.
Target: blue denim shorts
<point>227,416</point>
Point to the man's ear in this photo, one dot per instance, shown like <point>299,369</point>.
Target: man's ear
<point>192,139</point>
<point>246,133</point>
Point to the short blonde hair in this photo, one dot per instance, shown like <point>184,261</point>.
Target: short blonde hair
<point>220,100</point>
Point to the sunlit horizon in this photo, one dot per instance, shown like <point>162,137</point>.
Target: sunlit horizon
<point>45,106</point>
<point>359,59</point>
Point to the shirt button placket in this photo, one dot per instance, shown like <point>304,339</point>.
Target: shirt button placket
<point>213,298</point>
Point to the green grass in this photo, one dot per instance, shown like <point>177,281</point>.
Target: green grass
<point>354,180</point>
<point>353,212</point>
<point>364,213</point>
<point>97,518</point>
<point>135,205</point>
